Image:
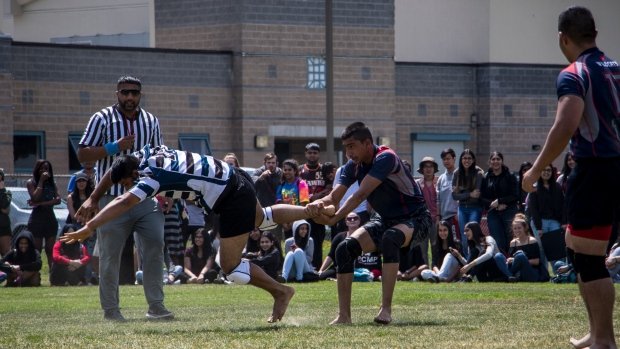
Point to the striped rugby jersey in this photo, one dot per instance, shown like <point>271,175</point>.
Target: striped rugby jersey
<point>109,125</point>
<point>181,175</point>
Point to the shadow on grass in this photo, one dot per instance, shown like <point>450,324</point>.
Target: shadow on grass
<point>224,330</point>
<point>409,323</point>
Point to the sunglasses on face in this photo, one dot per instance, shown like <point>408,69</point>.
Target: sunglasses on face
<point>127,92</point>
<point>352,219</point>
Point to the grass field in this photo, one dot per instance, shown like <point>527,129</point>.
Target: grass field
<point>470,315</point>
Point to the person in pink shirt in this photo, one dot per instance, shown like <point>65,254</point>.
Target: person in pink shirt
<point>428,183</point>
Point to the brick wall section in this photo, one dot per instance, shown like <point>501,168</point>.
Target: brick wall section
<point>190,92</point>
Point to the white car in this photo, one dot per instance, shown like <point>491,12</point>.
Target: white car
<point>20,210</point>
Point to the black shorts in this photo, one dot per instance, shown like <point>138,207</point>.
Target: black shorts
<point>593,193</point>
<point>237,207</point>
<point>419,220</point>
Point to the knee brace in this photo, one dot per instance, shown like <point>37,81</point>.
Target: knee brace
<point>241,274</point>
<point>391,242</point>
<point>268,222</point>
<point>589,267</point>
<point>346,254</point>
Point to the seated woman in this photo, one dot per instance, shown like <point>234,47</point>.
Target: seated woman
<point>22,263</point>
<point>299,251</point>
<point>524,261</point>
<point>199,260</point>
<point>270,257</point>
<point>328,268</point>
<point>480,263</point>
<point>444,266</point>
<point>411,264</point>
<point>69,261</point>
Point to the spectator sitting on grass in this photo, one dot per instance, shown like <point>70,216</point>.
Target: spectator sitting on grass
<point>299,251</point>
<point>22,263</point>
<point>69,261</point>
<point>445,266</point>
<point>270,256</point>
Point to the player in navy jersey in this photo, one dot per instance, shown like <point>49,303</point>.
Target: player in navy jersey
<point>392,192</point>
<point>588,114</point>
<point>213,184</point>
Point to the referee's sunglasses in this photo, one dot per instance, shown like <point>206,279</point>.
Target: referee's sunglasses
<point>125,92</point>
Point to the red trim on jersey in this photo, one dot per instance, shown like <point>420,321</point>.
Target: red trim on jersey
<point>595,233</point>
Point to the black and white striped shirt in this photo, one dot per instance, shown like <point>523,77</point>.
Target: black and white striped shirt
<point>109,125</point>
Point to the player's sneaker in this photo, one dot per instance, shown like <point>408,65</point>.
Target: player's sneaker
<point>159,312</point>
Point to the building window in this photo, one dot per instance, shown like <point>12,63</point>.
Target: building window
<point>74,140</point>
<point>28,147</point>
<point>366,73</point>
<point>454,110</point>
<point>316,72</point>
<point>27,96</point>
<point>196,143</point>
<point>421,109</point>
<point>193,101</point>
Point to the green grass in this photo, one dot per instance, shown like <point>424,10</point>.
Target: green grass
<point>426,315</point>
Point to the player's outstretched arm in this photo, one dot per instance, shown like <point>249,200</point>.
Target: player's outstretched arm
<point>117,207</point>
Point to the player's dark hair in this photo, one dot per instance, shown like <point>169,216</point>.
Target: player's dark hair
<point>578,24</point>
<point>123,167</point>
<point>358,131</point>
<point>128,79</point>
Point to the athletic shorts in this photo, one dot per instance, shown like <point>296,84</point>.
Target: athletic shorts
<point>237,207</point>
<point>592,195</point>
<point>420,221</point>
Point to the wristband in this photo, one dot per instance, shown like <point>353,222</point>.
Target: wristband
<point>111,148</point>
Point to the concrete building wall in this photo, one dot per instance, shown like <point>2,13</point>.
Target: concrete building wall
<point>492,31</point>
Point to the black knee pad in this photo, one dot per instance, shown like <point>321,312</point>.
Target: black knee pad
<point>589,267</point>
<point>346,254</point>
<point>391,242</point>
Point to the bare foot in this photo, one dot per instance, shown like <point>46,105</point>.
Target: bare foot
<point>280,303</point>
<point>384,317</point>
<point>341,320</point>
<point>581,343</point>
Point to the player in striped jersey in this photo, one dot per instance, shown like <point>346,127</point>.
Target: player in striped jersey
<point>217,187</point>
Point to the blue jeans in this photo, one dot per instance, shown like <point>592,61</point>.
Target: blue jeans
<point>520,265</point>
<point>500,226</point>
<point>467,214</point>
<point>296,262</point>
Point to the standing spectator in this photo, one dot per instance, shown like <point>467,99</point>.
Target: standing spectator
<point>266,181</point>
<point>22,264</point>
<point>567,167</point>
<point>5,221</point>
<point>70,261</point>
<point>82,190</point>
<point>312,173</point>
<point>43,196</point>
<point>88,168</point>
<point>587,115</point>
<point>499,196</point>
<point>298,249</point>
<point>116,130</point>
<point>292,190</point>
<point>466,189</point>
<point>270,256</point>
<point>448,207</point>
<point>402,217</point>
<point>546,206</point>
<point>195,220</point>
<point>521,204</point>
<point>428,183</point>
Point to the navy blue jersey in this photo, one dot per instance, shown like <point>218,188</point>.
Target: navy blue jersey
<point>398,195</point>
<point>181,175</point>
<point>596,79</point>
